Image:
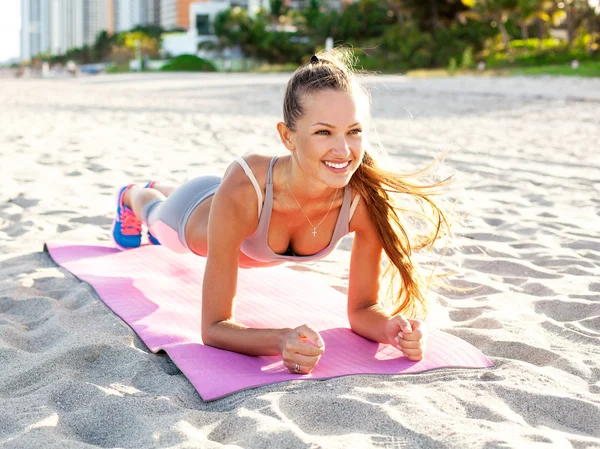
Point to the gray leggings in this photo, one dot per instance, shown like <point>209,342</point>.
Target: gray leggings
<point>166,219</point>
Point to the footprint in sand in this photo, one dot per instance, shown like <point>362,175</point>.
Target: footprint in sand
<point>537,289</point>
<point>584,244</point>
<point>507,268</point>
<point>23,202</point>
<point>565,311</point>
<point>98,220</point>
<point>465,314</point>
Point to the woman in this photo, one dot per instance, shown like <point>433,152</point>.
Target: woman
<point>266,211</point>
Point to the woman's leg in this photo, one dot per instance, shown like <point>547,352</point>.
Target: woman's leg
<point>136,198</point>
<point>166,210</point>
<point>165,189</point>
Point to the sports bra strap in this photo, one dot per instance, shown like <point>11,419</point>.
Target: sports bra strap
<point>248,171</point>
<point>353,207</point>
<point>270,172</point>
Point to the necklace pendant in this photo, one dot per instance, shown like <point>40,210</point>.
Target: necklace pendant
<point>314,232</point>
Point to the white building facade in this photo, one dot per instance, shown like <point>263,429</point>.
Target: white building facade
<point>168,14</point>
<point>56,26</point>
<point>31,28</point>
<point>70,24</point>
<point>201,26</point>
<point>95,13</point>
<point>130,13</point>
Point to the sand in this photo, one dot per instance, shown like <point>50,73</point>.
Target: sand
<point>73,375</point>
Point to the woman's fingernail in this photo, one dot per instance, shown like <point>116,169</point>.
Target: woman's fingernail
<point>320,342</point>
<point>397,340</point>
<point>401,335</point>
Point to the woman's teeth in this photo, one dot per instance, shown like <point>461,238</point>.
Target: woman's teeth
<point>332,165</point>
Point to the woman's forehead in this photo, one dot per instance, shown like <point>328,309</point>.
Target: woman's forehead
<point>337,105</point>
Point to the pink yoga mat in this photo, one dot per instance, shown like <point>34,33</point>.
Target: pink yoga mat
<point>158,293</point>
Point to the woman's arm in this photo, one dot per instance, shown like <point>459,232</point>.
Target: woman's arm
<point>233,216</point>
<point>366,316</point>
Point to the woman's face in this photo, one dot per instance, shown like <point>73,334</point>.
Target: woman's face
<point>328,140</point>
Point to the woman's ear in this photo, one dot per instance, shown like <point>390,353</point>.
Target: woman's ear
<point>285,134</point>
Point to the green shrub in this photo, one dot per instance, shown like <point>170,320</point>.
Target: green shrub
<point>421,58</point>
<point>117,67</point>
<point>452,66</point>
<point>587,69</point>
<point>188,63</point>
<point>382,62</point>
<point>535,52</point>
<point>548,57</point>
<point>536,44</point>
<point>466,61</point>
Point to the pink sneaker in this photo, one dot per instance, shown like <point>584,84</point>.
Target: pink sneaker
<point>126,228</point>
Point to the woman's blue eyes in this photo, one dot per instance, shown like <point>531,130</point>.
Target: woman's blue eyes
<point>354,131</point>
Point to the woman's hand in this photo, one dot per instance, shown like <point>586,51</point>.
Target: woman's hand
<point>407,335</point>
<point>302,349</point>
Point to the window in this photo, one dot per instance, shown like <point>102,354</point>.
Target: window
<point>203,24</point>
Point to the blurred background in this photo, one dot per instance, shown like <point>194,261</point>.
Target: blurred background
<point>45,38</point>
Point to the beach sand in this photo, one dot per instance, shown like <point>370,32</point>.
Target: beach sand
<point>73,375</point>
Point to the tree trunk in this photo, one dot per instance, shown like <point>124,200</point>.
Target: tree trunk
<point>570,24</point>
<point>524,31</point>
<point>503,32</point>
<point>540,32</point>
<point>396,6</point>
<point>434,13</point>
<point>591,27</point>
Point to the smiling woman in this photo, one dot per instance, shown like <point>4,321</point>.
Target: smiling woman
<point>297,207</point>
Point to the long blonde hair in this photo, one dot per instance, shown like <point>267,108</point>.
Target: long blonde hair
<point>379,188</point>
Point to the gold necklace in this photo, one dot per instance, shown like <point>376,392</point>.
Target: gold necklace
<point>308,219</point>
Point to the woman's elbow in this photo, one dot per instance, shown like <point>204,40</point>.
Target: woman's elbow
<point>208,332</point>
<point>353,320</point>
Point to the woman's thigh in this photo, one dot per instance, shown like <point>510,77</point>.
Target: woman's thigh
<point>175,212</point>
<point>196,229</point>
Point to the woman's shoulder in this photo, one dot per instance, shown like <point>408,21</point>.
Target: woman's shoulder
<point>258,165</point>
<point>360,219</point>
<point>238,186</point>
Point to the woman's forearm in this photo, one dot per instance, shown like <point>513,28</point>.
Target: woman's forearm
<point>370,323</point>
<point>236,337</point>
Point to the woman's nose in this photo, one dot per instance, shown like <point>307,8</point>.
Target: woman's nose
<point>341,148</point>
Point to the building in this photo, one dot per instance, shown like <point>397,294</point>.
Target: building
<point>56,26</point>
<point>154,12</point>
<point>31,28</point>
<point>95,13</point>
<point>202,14</point>
<point>175,14</point>
<point>124,15</point>
<point>200,29</point>
<point>70,24</point>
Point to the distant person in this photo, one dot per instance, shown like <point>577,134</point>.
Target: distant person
<point>72,68</point>
<point>296,207</point>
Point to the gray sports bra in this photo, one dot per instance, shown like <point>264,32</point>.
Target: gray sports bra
<point>256,246</point>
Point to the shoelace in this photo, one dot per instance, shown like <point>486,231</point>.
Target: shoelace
<point>130,225</point>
